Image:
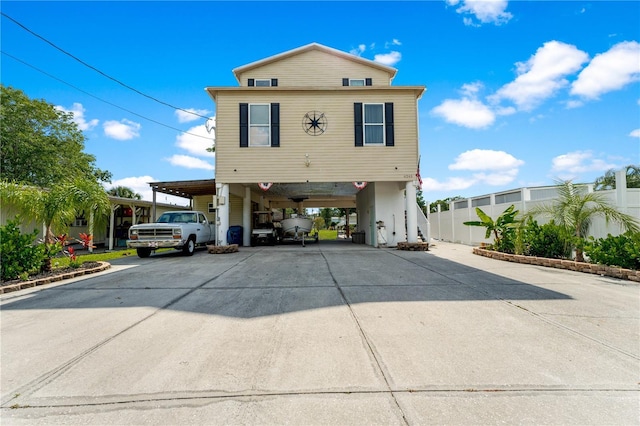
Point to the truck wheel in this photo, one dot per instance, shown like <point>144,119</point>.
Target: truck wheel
<point>190,247</point>
<point>143,252</point>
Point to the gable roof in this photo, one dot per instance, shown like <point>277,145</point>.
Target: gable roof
<point>314,46</point>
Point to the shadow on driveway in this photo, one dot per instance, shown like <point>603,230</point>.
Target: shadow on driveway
<point>265,281</point>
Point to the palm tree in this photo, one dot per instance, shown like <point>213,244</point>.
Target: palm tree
<point>124,192</point>
<point>575,210</point>
<point>608,180</point>
<point>56,207</point>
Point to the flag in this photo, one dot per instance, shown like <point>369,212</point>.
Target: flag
<point>418,174</point>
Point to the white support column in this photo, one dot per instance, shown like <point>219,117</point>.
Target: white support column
<point>133,214</point>
<point>222,192</point>
<point>112,222</point>
<point>412,213</point>
<point>246,218</point>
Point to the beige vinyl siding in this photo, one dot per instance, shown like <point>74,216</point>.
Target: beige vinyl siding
<point>332,155</point>
<point>235,210</point>
<point>201,203</point>
<point>314,68</point>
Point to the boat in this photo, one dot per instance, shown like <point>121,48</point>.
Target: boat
<point>296,226</point>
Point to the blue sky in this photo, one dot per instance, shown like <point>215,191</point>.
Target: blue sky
<point>518,93</point>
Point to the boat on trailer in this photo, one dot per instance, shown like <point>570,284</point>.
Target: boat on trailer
<point>296,228</point>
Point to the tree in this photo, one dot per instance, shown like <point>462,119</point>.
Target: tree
<point>57,206</point>
<point>124,192</point>
<point>444,204</point>
<point>505,222</point>
<point>327,213</point>
<point>608,180</point>
<point>40,145</point>
<point>575,210</point>
<point>420,200</point>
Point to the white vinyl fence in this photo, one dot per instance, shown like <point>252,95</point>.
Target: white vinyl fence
<point>448,225</point>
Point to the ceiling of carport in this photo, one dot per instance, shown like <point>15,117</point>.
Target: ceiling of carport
<point>313,194</point>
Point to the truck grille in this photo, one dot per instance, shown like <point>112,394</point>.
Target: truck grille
<point>155,234</point>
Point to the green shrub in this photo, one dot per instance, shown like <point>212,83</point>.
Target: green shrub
<point>622,251</point>
<point>19,256</point>
<point>549,240</point>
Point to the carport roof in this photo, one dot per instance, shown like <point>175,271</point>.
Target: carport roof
<point>186,188</point>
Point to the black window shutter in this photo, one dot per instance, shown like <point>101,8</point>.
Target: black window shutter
<point>357,120</point>
<point>275,125</point>
<point>274,82</point>
<point>345,81</point>
<point>251,82</point>
<point>368,82</point>
<point>244,125</point>
<point>388,123</point>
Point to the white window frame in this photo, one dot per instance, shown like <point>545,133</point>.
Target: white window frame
<point>365,124</point>
<point>262,82</point>
<point>268,125</point>
<point>351,80</point>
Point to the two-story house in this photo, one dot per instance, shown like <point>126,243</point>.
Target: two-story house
<point>317,127</point>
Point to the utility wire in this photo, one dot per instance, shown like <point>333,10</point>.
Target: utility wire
<point>97,70</point>
<point>100,99</point>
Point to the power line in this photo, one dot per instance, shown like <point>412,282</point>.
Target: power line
<point>100,99</point>
<point>97,70</point>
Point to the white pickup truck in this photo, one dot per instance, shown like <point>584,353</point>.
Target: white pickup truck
<point>182,230</point>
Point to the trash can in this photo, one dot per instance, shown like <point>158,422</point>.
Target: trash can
<point>357,237</point>
<point>234,235</point>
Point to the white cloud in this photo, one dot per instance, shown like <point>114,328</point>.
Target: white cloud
<point>569,165</point>
<point>197,141</point>
<point>635,133</point>
<point>190,114</point>
<point>358,50</point>
<point>609,71</point>
<point>140,184</point>
<point>189,162</point>
<point>494,168</point>
<point>77,110</point>
<point>465,112</point>
<point>451,184</point>
<point>121,130</point>
<point>542,75</point>
<point>497,179</point>
<point>394,42</point>
<point>574,104</point>
<point>389,59</point>
<point>485,11</point>
<point>485,159</point>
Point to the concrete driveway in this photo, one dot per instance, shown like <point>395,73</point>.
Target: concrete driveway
<point>333,333</point>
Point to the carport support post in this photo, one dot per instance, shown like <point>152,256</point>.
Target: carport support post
<point>412,213</point>
<point>246,217</point>
<point>112,224</point>
<point>222,192</point>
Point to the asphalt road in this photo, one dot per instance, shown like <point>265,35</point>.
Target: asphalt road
<point>332,333</point>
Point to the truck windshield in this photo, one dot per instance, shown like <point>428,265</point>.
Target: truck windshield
<point>177,218</point>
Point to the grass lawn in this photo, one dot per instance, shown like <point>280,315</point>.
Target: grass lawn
<point>63,262</point>
<point>325,234</point>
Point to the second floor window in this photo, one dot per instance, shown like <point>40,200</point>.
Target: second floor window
<point>373,124</point>
<point>259,125</point>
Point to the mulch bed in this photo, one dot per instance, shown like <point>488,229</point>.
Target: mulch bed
<point>57,274</point>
